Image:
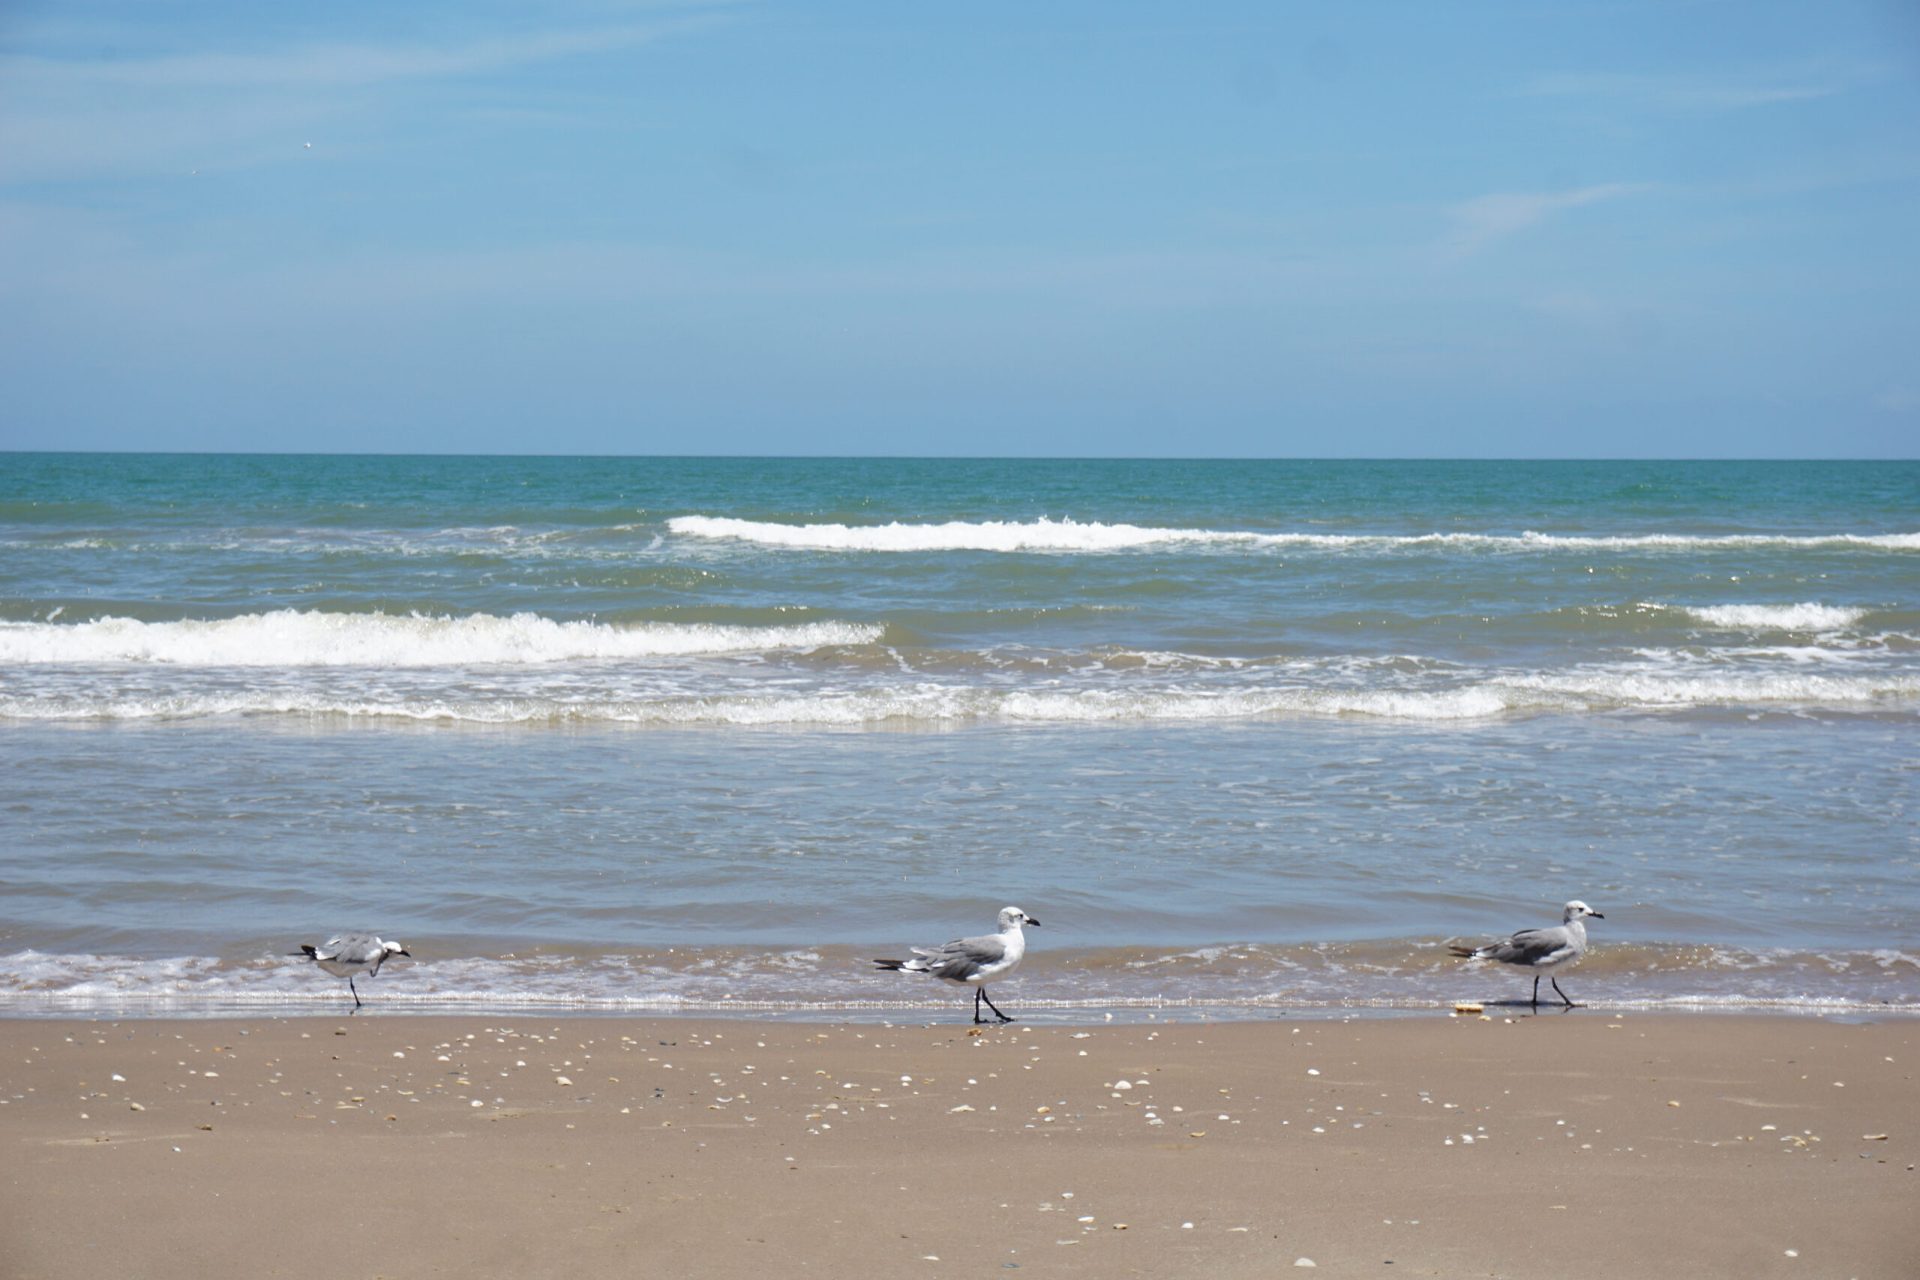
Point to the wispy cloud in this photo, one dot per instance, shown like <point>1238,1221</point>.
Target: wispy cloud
<point>319,66</point>
<point>65,118</point>
<point>315,68</point>
<point>1486,220</point>
<point>1693,93</point>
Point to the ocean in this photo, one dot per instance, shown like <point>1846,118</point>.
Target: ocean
<point>1250,738</point>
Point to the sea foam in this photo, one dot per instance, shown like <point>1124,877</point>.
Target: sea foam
<point>956,535</point>
<point>1046,534</point>
<point>1776,617</point>
<point>878,705</point>
<point>291,638</point>
<point>1408,973</point>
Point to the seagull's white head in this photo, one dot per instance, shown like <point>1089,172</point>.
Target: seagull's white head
<point>395,949</point>
<point>1577,910</point>
<point>1012,918</point>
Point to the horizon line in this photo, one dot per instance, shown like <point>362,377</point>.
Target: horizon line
<point>954,457</point>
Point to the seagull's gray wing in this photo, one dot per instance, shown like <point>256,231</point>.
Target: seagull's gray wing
<point>348,948</point>
<point>963,957</point>
<point>1531,946</point>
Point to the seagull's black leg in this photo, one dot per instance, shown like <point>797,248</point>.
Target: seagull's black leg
<point>982,993</point>
<point>1563,995</point>
<point>1536,991</point>
<point>977,993</point>
<point>356,993</point>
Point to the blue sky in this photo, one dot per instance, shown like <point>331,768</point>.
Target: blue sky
<point>1246,229</point>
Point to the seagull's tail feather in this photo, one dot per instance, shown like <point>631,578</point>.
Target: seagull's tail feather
<point>1465,953</point>
<point>899,966</point>
<point>307,949</point>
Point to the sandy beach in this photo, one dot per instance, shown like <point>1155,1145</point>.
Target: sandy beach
<point>1575,1145</point>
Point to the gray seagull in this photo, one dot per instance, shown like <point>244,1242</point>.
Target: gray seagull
<point>973,962</point>
<point>1541,950</point>
<point>348,954</point>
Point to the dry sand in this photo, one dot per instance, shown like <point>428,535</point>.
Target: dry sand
<point>1560,1145</point>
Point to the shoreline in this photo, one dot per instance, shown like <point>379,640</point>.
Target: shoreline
<point>532,1143</point>
<point>252,976</point>
<point>889,1015</point>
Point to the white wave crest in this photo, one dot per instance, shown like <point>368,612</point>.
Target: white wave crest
<point>1488,698</point>
<point>1729,541</point>
<point>957,535</point>
<point>1071,535</point>
<point>1776,617</point>
<point>292,638</point>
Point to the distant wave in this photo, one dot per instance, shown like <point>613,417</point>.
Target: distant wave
<point>959,535</point>
<point>884,705</point>
<point>1776,617</point>
<point>291,638</point>
<point>1071,535</point>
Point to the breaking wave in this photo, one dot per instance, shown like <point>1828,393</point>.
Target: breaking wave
<point>291,638</point>
<point>1777,617</point>
<point>881,705</point>
<point>1071,535</point>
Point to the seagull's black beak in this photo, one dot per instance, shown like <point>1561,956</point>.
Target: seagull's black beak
<point>404,952</point>
<point>1596,915</point>
<point>1033,922</point>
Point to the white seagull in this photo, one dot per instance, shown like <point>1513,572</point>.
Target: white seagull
<point>1541,950</point>
<point>974,962</point>
<point>348,954</point>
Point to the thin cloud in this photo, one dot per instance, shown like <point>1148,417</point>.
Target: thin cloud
<point>321,66</point>
<point>73,118</point>
<point>1485,220</point>
<point>1689,93</point>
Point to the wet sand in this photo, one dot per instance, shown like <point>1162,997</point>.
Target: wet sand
<point>1576,1144</point>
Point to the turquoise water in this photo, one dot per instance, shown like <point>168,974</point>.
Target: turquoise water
<point>615,733</point>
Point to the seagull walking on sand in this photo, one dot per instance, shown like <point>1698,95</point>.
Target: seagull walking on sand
<point>347,955</point>
<point>1541,950</point>
<point>974,962</point>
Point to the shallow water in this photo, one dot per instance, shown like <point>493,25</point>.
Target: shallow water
<point>610,733</point>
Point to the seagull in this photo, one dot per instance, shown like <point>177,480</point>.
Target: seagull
<point>347,954</point>
<point>1542,950</point>
<point>973,961</point>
